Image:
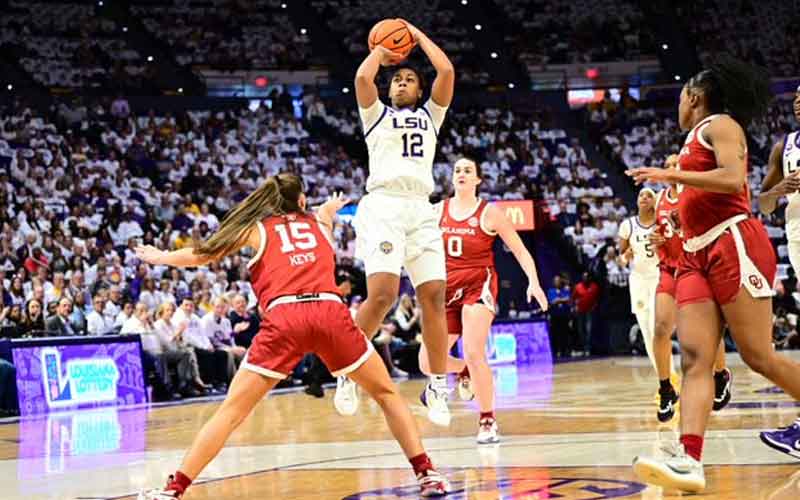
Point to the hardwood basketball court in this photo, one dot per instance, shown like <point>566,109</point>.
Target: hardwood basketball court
<point>568,431</point>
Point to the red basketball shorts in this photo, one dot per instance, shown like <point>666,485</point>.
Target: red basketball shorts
<point>475,285</point>
<point>666,281</point>
<point>289,331</point>
<point>718,271</point>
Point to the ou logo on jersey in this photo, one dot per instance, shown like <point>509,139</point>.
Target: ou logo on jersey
<point>757,282</point>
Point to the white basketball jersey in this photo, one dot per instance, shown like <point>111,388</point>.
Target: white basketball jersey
<point>401,145</point>
<point>791,165</point>
<point>645,257</point>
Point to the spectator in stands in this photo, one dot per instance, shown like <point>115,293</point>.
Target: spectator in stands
<point>8,390</point>
<point>215,365</point>
<point>406,317</point>
<point>245,323</point>
<point>10,321</point>
<point>33,320</point>
<point>172,340</point>
<point>114,302</point>
<point>124,314</point>
<point>78,316</point>
<point>148,293</point>
<point>218,329</point>
<point>560,299</point>
<point>586,296</point>
<point>59,324</point>
<point>97,323</point>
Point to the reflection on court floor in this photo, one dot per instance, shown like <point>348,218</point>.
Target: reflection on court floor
<point>569,431</point>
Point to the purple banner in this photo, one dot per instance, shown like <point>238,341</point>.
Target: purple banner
<point>77,376</point>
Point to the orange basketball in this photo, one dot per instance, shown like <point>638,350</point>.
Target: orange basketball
<point>392,34</point>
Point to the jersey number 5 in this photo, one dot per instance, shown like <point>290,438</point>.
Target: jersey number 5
<point>298,237</point>
<point>455,246</point>
<point>412,145</point>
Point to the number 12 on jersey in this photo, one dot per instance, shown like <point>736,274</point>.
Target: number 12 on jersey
<point>412,145</point>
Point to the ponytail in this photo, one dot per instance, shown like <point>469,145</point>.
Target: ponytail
<point>279,194</point>
<point>734,87</point>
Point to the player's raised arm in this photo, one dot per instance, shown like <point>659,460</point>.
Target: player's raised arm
<point>366,90</point>
<point>442,89</point>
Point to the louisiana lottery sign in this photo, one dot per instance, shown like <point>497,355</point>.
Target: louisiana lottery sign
<point>76,376</point>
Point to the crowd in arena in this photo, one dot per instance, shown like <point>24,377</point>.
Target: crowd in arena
<point>66,45</point>
<point>202,34</point>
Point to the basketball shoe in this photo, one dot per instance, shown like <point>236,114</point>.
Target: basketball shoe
<point>487,431</point>
<point>432,484</point>
<point>346,398</point>
<point>160,494</point>
<point>722,389</point>
<point>435,400</point>
<point>675,469</point>
<point>786,439</point>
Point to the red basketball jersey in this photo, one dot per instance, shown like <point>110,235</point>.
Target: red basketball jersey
<point>669,252</point>
<point>296,257</point>
<point>701,210</point>
<point>467,242</point>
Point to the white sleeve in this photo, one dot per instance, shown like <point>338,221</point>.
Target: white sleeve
<point>625,230</point>
<point>436,113</point>
<point>372,115</point>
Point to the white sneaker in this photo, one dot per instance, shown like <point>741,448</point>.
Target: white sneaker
<point>433,484</point>
<point>346,398</point>
<point>465,391</point>
<point>436,401</point>
<point>487,431</point>
<point>675,470</point>
<point>157,494</point>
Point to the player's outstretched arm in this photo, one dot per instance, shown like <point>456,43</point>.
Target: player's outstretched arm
<point>730,148</point>
<point>366,90</point>
<point>186,257</point>
<point>775,185</point>
<point>496,221</point>
<point>442,89</point>
<point>327,211</point>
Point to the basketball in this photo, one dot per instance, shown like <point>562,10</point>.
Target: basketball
<point>392,34</point>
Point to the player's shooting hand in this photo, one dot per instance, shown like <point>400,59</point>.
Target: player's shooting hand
<point>388,57</point>
<point>535,292</point>
<point>415,32</point>
<point>149,254</point>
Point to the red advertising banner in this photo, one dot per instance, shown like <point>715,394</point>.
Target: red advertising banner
<point>519,212</point>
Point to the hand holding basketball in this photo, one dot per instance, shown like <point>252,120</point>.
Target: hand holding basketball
<point>388,58</point>
<point>393,34</point>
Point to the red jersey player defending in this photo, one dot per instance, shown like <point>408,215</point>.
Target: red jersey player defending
<point>293,276</point>
<point>669,243</point>
<point>470,226</point>
<point>728,265</point>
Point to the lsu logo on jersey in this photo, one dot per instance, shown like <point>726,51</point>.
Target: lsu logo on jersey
<point>410,122</point>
